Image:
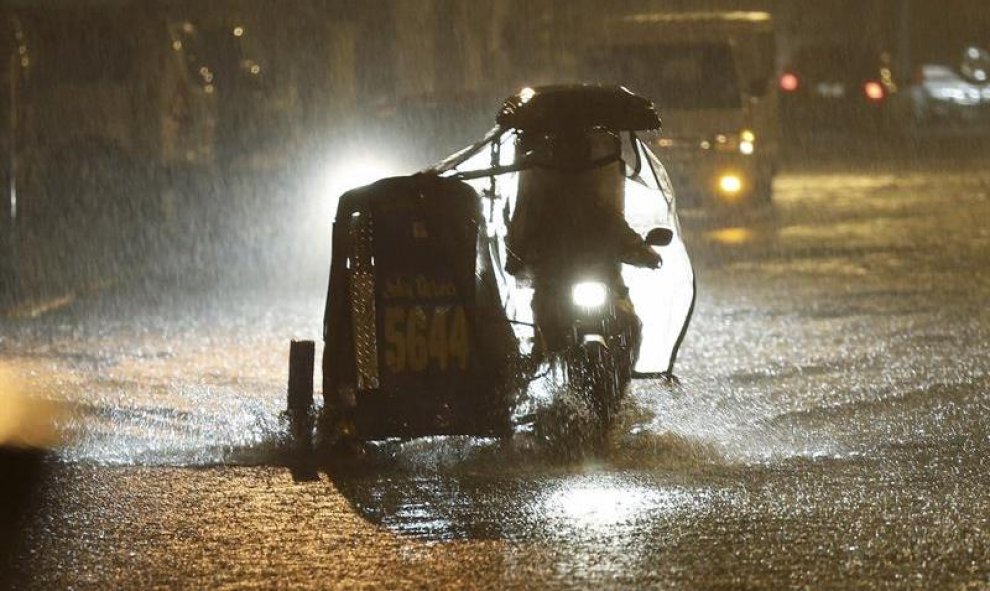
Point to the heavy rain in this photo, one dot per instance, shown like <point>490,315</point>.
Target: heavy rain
<point>170,172</point>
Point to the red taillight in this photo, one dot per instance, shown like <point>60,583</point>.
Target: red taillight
<point>874,91</point>
<point>790,82</point>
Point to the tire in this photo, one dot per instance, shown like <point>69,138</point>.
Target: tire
<point>336,436</point>
<point>602,385</point>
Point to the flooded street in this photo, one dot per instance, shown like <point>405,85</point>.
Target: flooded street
<point>830,430</point>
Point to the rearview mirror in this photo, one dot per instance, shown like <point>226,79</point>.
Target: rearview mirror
<point>659,236</point>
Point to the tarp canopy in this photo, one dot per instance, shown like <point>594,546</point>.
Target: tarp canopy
<point>664,298</point>
<point>579,106</point>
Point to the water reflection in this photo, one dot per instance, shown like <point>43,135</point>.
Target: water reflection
<point>736,236</point>
<point>604,501</point>
<point>715,240</point>
<point>584,520</point>
<point>490,494</point>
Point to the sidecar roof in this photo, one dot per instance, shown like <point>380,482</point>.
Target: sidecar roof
<point>578,107</point>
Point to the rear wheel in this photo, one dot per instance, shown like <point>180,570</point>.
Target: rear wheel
<point>336,435</point>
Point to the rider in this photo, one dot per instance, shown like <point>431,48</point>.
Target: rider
<point>568,222</point>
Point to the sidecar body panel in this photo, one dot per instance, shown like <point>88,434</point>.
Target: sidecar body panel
<point>417,342</point>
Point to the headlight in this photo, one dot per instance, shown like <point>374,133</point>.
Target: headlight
<point>590,294</point>
<point>730,184</point>
<point>355,173</point>
<point>341,176</point>
<point>743,142</point>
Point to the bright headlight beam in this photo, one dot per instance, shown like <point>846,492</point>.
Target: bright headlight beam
<point>730,184</point>
<point>589,294</point>
<point>354,174</point>
<point>337,179</point>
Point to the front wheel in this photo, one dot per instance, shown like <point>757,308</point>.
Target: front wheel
<point>600,380</point>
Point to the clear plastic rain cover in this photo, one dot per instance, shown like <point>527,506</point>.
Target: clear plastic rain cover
<point>663,298</point>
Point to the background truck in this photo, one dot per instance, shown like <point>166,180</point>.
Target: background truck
<point>711,74</point>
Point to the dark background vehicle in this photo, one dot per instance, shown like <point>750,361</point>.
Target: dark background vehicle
<point>950,94</point>
<point>837,86</point>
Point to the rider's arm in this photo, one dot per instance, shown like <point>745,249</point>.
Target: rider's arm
<point>632,249</point>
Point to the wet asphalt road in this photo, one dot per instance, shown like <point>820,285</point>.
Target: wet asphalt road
<point>831,431</point>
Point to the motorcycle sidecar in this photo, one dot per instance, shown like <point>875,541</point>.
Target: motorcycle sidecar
<point>416,340</point>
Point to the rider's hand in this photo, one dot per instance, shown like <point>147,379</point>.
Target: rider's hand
<point>645,257</point>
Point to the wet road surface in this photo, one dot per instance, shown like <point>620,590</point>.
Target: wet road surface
<point>831,430</point>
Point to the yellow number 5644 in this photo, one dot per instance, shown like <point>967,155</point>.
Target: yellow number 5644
<point>417,338</point>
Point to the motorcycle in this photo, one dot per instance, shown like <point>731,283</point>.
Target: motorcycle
<point>590,335</point>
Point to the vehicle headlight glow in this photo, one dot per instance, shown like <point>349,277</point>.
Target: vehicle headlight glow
<point>730,184</point>
<point>743,142</point>
<point>355,173</point>
<point>589,294</point>
<point>337,178</point>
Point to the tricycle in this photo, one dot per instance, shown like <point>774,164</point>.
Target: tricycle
<point>550,250</point>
